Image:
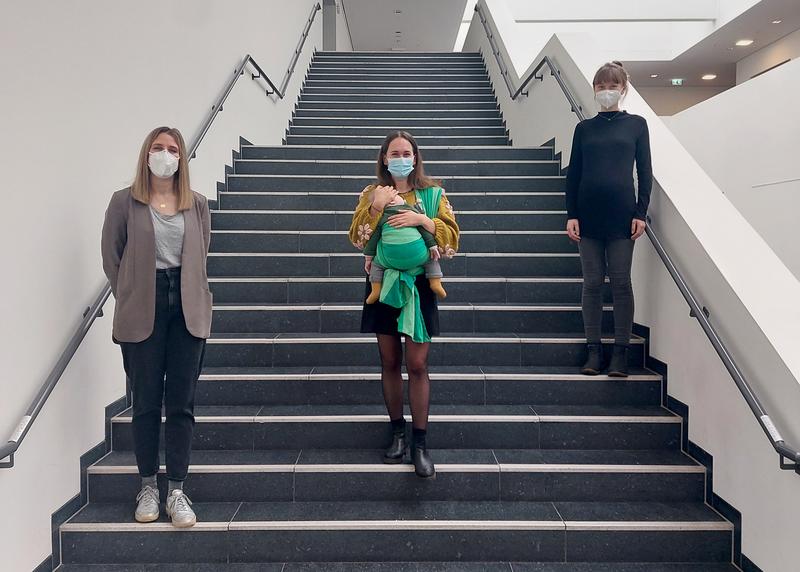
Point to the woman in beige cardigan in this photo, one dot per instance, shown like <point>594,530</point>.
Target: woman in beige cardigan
<point>155,243</point>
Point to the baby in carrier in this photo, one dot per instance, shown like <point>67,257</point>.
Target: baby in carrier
<point>402,249</point>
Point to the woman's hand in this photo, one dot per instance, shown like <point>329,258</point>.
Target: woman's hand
<point>367,263</point>
<point>407,218</point>
<point>637,228</point>
<point>382,196</point>
<point>574,230</point>
<point>435,254</point>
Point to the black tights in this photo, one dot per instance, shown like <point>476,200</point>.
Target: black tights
<point>419,386</point>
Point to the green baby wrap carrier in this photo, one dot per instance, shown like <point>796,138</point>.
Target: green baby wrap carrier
<point>403,253</point>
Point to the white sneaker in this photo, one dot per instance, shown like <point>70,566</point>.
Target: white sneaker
<point>147,506</point>
<point>179,509</point>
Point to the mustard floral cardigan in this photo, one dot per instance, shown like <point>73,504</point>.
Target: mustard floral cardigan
<point>364,223</point>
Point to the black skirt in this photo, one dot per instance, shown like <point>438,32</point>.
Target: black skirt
<point>379,318</point>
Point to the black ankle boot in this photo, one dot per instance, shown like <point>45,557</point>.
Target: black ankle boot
<point>619,362</point>
<point>594,360</point>
<point>423,464</point>
<point>397,450</point>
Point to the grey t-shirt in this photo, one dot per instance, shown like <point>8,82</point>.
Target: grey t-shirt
<point>169,238</point>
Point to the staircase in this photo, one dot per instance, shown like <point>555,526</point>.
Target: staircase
<point>539,468</point>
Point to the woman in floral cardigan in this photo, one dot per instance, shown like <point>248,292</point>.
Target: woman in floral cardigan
<point>400,172</point>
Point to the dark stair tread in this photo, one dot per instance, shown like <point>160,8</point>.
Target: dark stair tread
<point>486,511</point>
<point>406,567</point>
<point>637,511</point>
<point>656,457</point>
<point>253,411</point>
<point>495,372</point>
<point>577,336</point>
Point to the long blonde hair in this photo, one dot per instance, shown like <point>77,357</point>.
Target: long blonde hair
<point>140,189</point>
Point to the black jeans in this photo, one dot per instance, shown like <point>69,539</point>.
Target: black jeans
<point>614,256</point>
<point>164,369</point>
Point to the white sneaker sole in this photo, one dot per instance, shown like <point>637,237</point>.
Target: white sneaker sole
<point>147,518</point>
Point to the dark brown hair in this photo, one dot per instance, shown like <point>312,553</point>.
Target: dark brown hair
<point>140,189</point>
<point>417,178</point>
<point>612,72</point>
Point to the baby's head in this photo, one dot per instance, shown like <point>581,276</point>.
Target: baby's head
<point>397,201</point>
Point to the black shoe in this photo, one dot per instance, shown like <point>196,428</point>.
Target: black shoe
<point>423,464</point>
<point>619,362</point>
<point>594,360</point>
<point>397,450</point>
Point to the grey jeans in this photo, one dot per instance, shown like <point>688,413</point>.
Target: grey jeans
<point>614,257</point>
<point>432,270</point>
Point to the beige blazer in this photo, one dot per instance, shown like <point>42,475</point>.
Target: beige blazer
<point>129,261</point>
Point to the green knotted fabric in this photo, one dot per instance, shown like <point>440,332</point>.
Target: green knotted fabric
<point>403,263</point>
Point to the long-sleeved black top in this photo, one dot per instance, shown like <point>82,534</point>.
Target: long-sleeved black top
<point>600,188</point>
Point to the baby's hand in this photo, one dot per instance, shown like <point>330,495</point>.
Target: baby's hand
<point>367,263</point>
<point>435,254</point>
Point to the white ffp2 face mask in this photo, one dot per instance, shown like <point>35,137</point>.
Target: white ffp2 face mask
<point>163,164</point>
<point>608,98</point>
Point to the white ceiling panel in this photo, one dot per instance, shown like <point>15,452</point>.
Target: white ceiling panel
<point>413,25</point>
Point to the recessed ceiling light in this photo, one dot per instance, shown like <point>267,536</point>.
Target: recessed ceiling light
<point>777,21</point>
<point>710,76</point>
<point>744,43</point>
<point>654,75</point>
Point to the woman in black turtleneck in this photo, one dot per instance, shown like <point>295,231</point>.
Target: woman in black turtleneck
<point>604,215</point>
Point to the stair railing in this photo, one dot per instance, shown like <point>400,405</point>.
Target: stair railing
<point>701,313</point>
<point>95,310</point>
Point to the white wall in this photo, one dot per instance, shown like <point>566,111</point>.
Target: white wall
<point>787,48</point>
<point>343,40</point>
<point>84,81</point>
<point>667,101</point>
<point>758,147</point>
<point>746,472</point>
<point>750,293</point>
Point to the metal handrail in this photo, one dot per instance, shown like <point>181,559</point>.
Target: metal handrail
<point>239,72</point>
<point>697,311</point>
<point>95,311</point>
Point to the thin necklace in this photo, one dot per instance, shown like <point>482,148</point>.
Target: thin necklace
<point>609,118</point>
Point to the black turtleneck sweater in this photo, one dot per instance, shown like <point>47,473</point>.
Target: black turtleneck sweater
<point>600,188</point>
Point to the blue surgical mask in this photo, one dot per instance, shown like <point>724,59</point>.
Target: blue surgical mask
<point>401,166</point>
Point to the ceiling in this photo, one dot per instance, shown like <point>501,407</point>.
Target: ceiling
<point>717,53</point>
<point>424,25</point>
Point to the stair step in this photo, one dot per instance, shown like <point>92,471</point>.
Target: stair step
<point>344,318</point>
<point>450,386</point>
<point>435,169</point>
<point>276,290</point>
<point>403,567</point>
<point>378,85</point>
<point>355,183</point>
<point>362,152</point>
<point>399,113</point>
<point>361,105</point>
<point>350,76</point>
<point>284,350</point>
<point>497,221</point>
<point>430,531</point>
<point>322,119</point>
<point>235,264</point>
<point>454,427</point>
<point>376,141</point>
<point>317,241</point>
<point>345,200</point>
<point>401,96</point>
<point>463,475</point>
<point>498,131</point>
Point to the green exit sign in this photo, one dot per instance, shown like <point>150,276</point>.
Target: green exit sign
<point>677,81</point>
